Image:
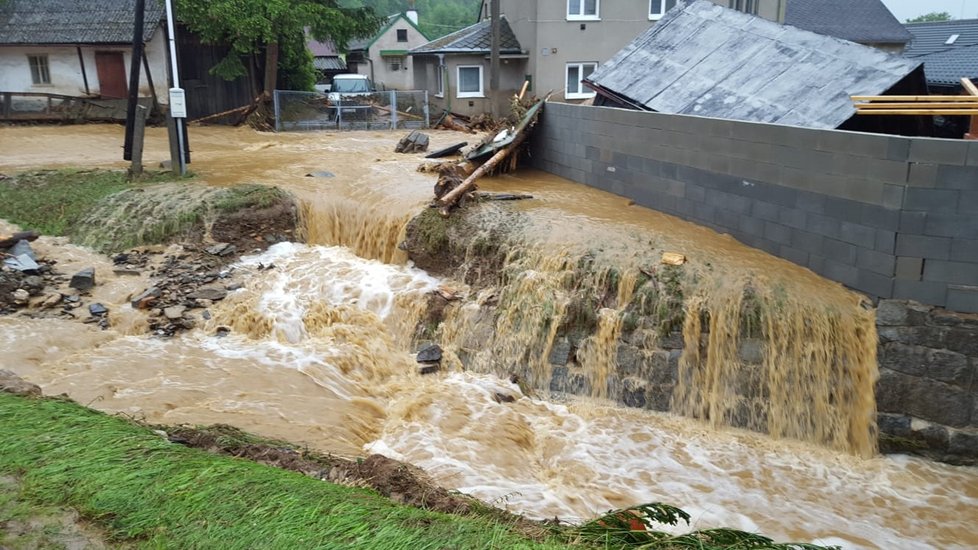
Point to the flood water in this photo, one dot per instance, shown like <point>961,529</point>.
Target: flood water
<point>319,353</point>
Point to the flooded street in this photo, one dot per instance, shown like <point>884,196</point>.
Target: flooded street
<point>319,353</point>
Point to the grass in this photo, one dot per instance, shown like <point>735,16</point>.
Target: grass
<point>50,201</point>
<point>145,491</point>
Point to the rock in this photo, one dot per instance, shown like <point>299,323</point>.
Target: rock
<point>212,294</point>
<point>72,298</point>
<point>146,298</point>
<point>320,174</point>
<point>206,315</point>
<point>560,352</point>
<point>51,300</point>
<point>21,296</point>
<point>500,397</point>
<point>22,263</point>
<point>415,142</point>
<point>964,444</point>
<point>174,312</point>
<point>83,280</point>
<point>22,248</point>
<point>127,272</point>
<point>430,353</point>
<point>221,249</point>
<point>120,259</point>
<point>429,368</point>
<point>11,383</point>
<point>221,332</point>
<point>97,310</point>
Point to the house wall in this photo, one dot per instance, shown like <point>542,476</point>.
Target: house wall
<point>377,68</point>
<point>511,76</point>
<point>891,216</point>
<point>66,70</point>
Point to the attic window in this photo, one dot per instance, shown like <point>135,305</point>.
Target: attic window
<point>952,39</point>
<point>402,35</point>
<point>578,10</point>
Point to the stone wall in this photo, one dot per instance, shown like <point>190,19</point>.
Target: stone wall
<point>927,394</point>
<point>890,216</point>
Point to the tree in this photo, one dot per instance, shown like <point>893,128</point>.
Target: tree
<point>250,27</point>
<point>932,16</point>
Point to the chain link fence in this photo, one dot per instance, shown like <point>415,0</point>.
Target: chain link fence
<point>371,111</point>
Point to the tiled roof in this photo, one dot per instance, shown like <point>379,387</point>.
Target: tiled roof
<point>328,63</point>
<point>863,21</point>
<point>948,67</point>
<point>932,37</point>
<point>702,59</point>
<point>474,39</point>
<point>74,21</point>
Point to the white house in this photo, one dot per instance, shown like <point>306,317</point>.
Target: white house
<point>78,49</point>
<point>384,56</point>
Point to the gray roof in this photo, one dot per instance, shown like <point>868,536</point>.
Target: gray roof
<point>702,59</point>
<point>328,63</point>
<point>474,39</point>
<point>74,21</point>
<point>948,67</point>
<point>932,37</point>
<point>863,21</point>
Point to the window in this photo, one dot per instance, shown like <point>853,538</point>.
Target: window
<point>402,35</point>
<point>395,63</point>
<point>470,81</point>
<point>658,8</point>
<point>582,9</point>
<point>746,6</point>
<point>440,77</point>
<point>40,74</point>
<point>576,72</point>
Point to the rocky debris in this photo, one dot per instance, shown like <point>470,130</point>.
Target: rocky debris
<point>415,142</point>
<point>221,249</point>
<point>211,294</point>
<point>23,247</point>
<point>146,298</point>
<point>430,353</point>
<point>11,383</point>
<point>52,300</point>
<point>84,280</point>
<point>97,310</point>
<point>21,296</point>
<point>174,312</point>
<point>450,150</point>
<point>500,397</point>
<point>7,241</point>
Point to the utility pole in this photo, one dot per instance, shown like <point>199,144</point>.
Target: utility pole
<point>178,102</point>
<point>134,64</point>
<point>494,56</point>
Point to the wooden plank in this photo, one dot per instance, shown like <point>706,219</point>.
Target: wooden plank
<point>914,105</point>
<point>954,98</point>
<point>972,112</point>
<point>970,87</point>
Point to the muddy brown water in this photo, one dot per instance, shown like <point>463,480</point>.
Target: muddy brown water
<point>319,354</point>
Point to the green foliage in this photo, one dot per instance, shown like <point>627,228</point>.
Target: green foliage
<point>295,68</point>
<point>932,16</point>
<point>436,18</point>
<point>246,26</point>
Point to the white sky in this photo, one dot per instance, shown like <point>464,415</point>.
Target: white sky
<point>907,9</point>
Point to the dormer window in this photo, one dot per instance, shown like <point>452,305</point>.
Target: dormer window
<point>583,10</point>
<point>658,8</point>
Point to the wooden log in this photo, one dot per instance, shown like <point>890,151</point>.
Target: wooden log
<point>526,84</point>
<point>964,98</point>
<point>6,241</point>
<point>917,105</point>
<point>469,183</point>
<point>970,87</point>
<point>971,112</point>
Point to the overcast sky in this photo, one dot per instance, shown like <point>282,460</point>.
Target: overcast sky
<point>907,9</point>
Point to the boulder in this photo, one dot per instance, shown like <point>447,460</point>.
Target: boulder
<point>11,383</point>
<point>97,310</point>
<point>174,312</point>
<point>212,294</point>
<point>430,353</point>
<point>83,280</point>
<point>429,368</point>
<point>21,296</point>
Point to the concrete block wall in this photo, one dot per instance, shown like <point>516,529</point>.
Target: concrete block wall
<point>890,216</point>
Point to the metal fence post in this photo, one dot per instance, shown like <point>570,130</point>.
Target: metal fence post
<point>427,120</point>
<point>278,111</point>
<point>393,109</point>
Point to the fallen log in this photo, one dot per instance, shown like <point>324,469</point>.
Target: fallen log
<point>469,182</point>
<point>6,241</point>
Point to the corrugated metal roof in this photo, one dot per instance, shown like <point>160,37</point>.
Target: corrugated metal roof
<point>320,49</point>
<point>329,63</point>
<point>863,21</point>
<point>702,59</point>
<point>932,37</point>
<point>474,39</point>
<point>74,21</point>
<point>948,67</point>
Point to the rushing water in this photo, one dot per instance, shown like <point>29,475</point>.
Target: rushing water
<point>319,353</point>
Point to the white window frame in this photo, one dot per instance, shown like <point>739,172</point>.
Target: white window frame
<point>580,15</point>
<point>440,78</point>
<point>580,70</point>
<point>42,71</point>
<point>664,6</point>
<point>458,82</point>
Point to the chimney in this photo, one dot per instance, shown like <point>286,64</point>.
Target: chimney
<point>412,14</point>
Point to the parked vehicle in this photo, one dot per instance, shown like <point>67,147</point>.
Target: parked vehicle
<point>350,92</point>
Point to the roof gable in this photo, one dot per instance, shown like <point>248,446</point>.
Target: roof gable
<point>365,43</point>
<point>74,21</point>
<point>863,21</point>
<point>702,59</point>
<point>474,39</point>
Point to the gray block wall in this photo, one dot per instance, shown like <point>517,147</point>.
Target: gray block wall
<point>890,216</point>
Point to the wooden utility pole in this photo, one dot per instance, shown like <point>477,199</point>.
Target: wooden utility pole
<point>134,62</point>
<point>139,132</point>
<point>494,56</point>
